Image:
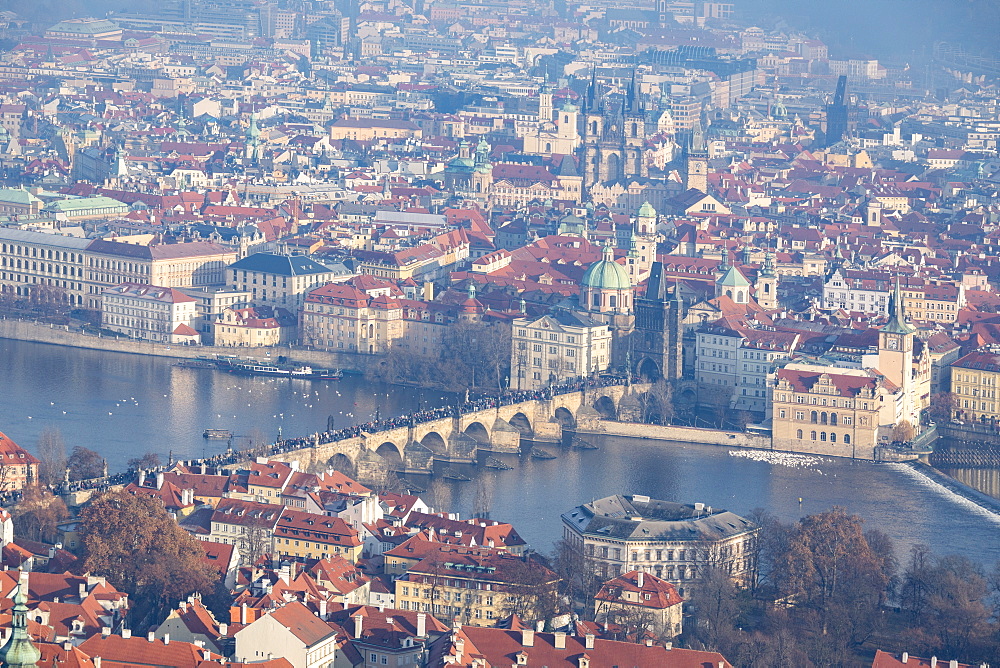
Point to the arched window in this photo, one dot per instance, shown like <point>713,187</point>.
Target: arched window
<point>822,417</point>
<point>847,439</point>
<point>814,417</point>
<point>833,419</point>
<point>548,147</point>
<point>593,127</point>
<point>767,288</point>
<point>729,293</point>
<point>812,435</point>
<point>739,297</point>
<point>833,437</point>
<point>798,434</point>
<point>822,436</point>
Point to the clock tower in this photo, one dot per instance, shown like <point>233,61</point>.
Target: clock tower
<point>895,352</point>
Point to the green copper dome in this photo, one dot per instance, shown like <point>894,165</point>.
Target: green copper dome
<point>606,274</point>
<point>647,210</point>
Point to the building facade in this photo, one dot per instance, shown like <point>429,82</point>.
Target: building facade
<point>673,541</point>
<point>557,347</point>
<point>150,313</point>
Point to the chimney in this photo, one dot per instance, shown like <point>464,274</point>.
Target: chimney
<point>83,590</point>
<point>933,662</point>
<point>588,641</point>
<point>421,625</point>
<point>668,645</point>
<point>97,662</point>
<point>150,636</point>
<point>142,478</point>
<point>206,655</point>
<point>953,663</point>
<point>358,625</point>
<point>126,633</point>
<point>649,642</point>
<point>159,480</point>
<point>459,650</point>
<point>223,629</point>
<point>639,580</point>
<point>243,613</point>
<point>527,638</point>
<point>322,610</point>
<point>166,638</point>
<point>105,631</point>
<point>905,657</point>
<point>559,640</point>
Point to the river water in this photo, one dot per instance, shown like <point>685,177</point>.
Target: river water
<point>125,405</point>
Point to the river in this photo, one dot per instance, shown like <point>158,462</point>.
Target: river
<point>125,405</point>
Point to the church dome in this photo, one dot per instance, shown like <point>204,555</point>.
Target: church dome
<point>606,274</point>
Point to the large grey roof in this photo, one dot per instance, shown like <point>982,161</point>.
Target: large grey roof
<point>643,519</point>
<point>27,237</point>
<point>281,265</point>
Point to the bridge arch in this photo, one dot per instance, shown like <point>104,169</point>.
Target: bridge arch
<point>343,463</point>
<point>390,452</point>
<point>648,370</point>
<point>605,405</point>
<point>565,418</point>
<point>522,423</point>
<point>434,442</point>
<point>478,432</point>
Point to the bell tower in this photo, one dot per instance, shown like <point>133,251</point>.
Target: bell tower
<point>895,351</point>
<point>767,284</point>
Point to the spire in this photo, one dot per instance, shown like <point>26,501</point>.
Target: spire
<point>632,96</point>
<point>19,652</point>
<point>697,138</point>
<point>767,271</point>
<point>724,265</point>
<point>745,257</point>
<point>472,290</point>
<point>897,317</point>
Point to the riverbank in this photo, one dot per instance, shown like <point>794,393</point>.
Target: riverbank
<point>681,434</point>
<point>62,335</point>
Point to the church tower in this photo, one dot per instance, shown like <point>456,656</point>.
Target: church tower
<point>767,284</point>
<point>696,166</point>
<point>657,341</point>
<point>895,352</point>
<point>19,651</point>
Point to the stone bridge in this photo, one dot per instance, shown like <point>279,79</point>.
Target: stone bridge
<point>414,449</point>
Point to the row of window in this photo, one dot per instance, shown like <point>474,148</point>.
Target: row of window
<point>823,436</point>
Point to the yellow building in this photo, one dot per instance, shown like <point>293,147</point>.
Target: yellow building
<point>974,380</point>
<point>475,585</point>
<point>364,129</point>
<point>254,327</point>
<point>305,535</point>
<point>831,411</point>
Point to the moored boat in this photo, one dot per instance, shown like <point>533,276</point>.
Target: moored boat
<point>452,474</point>
<point>538,453</point>
<point>217,433</point>
<point>494,463</point>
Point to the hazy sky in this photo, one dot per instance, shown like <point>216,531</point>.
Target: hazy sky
<point>891,29</point>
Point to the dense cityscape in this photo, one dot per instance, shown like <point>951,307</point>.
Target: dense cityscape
<point>573,251</point>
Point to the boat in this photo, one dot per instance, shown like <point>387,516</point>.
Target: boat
<point>309,373</point>
<point>197,364</point>
<point>494,463</point>
<point>217,433</point>
<point>581,444</point>
<point>254,368</point>
<point>452,474</point>
<point>538,453</point>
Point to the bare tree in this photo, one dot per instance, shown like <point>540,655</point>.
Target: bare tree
<point>255,540</point>
<point>51,456</point>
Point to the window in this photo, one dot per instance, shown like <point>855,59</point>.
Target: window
<point>798,434</point>
<point>812,435</point>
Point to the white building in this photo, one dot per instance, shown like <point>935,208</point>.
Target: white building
<point>150,313</point>
<point>557,347</point>
<point>291,632</point>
